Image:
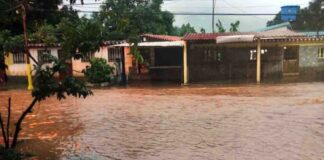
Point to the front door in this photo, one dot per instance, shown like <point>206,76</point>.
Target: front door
<point>291,61</point>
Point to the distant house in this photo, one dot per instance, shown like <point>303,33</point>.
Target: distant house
<point>275,53</point>
<point>284,25</point>
<point>17,61</point>
<point>234,56</point>
<point>163,58</point>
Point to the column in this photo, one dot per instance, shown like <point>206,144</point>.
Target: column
<point>258,67</point>
<point>185,64</point>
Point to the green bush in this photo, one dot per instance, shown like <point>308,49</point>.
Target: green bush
<point>99,71</point>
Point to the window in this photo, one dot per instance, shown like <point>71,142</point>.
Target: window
<point>87,57</point>
<point>212,55</point>
<point>19,58</point>
<point>43,56</point>
<point>320,53</point>
<point>115,54</point>
<point>253,54</point>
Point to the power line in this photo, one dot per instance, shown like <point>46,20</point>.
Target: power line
<point>213,18</point>
<point>174,13</point>
<point>182,13</point>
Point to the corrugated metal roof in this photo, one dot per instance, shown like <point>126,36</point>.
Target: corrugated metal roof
<point>211,36</point>
<point>235,38</point>
<point>275,33</point>
<point>163,37</point>
<point>279,33</point>
<point>312,33</point>
<point>42,45</point>
<point>295,39</point>
<point>154,44</point>
<point>281,25</point>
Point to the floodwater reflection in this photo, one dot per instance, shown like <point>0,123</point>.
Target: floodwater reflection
<point>199,122</point>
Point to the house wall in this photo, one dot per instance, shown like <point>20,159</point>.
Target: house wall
<point>128,61</point>
<point>21,69</point>
<point>221,63</point>
<point>78,66</point>
<point>310,66</point>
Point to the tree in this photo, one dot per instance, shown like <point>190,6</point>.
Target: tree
<point>87,39</point>
<point>183,30</point>
<point>128,19</point>
<point>39,12</point>
<point>202,30</point>
<point>309,18</point>
<point>220,27</point>
<point>125,19</point>
<point>235,26</point>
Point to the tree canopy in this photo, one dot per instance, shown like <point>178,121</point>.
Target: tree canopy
<point>308,19</point>
<point>183,30</point>
<point>127,19</point>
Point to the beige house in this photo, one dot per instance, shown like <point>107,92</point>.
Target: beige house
<point>17,61</point>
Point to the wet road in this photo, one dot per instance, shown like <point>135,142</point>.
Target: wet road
<point>268,122</point>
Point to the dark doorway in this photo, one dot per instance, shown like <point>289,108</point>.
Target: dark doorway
<point>291,61</point>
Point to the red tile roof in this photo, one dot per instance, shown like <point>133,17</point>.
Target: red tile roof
<point>163,37</point>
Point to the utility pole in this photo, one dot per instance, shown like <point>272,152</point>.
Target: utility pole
<point>213,18</point>
<point>24,6</point>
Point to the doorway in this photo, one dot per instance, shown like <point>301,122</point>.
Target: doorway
<point>291,61</point>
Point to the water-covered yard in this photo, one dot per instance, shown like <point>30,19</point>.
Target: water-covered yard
<point>238,122</point>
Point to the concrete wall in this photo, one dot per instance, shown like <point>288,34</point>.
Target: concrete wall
<point>234,63</point>
<point>310,66</point>
<point>78,66</point>
<point>21,69</point>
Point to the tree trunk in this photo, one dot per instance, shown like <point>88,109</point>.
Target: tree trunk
<point>4,135</point>
<point>21,119</point>
<point>8,120</point>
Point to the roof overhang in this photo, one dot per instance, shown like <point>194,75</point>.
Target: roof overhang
<point>234,39</point>
<point>153,44</point>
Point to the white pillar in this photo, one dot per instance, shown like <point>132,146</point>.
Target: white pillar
<point>185,63</point>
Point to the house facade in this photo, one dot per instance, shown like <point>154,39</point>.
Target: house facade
<point>17,62</point>
<point>254,56</point>
<point>268,55</point>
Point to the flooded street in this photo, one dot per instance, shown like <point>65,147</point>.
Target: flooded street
<point>200,122</point>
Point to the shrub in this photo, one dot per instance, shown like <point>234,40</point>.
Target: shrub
<point>99,71</point>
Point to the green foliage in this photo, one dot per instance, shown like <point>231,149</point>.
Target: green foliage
<point>39,12</point>
<point>45,34</point>
<point>45,85</point>
<point>11,154</point>
<point>220,27</point>
<point>184,29</point>
<point>10,43</point>
<point>99,71</point>
<point>80,36</point>
<point>202,30</point>
<point>235,26</point>
<point>276,20</point>
<point>128,19</point>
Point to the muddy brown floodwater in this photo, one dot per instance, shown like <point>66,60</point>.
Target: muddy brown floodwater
<point>201,122</point>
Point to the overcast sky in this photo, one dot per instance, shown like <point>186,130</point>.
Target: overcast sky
<point>248,23</point>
